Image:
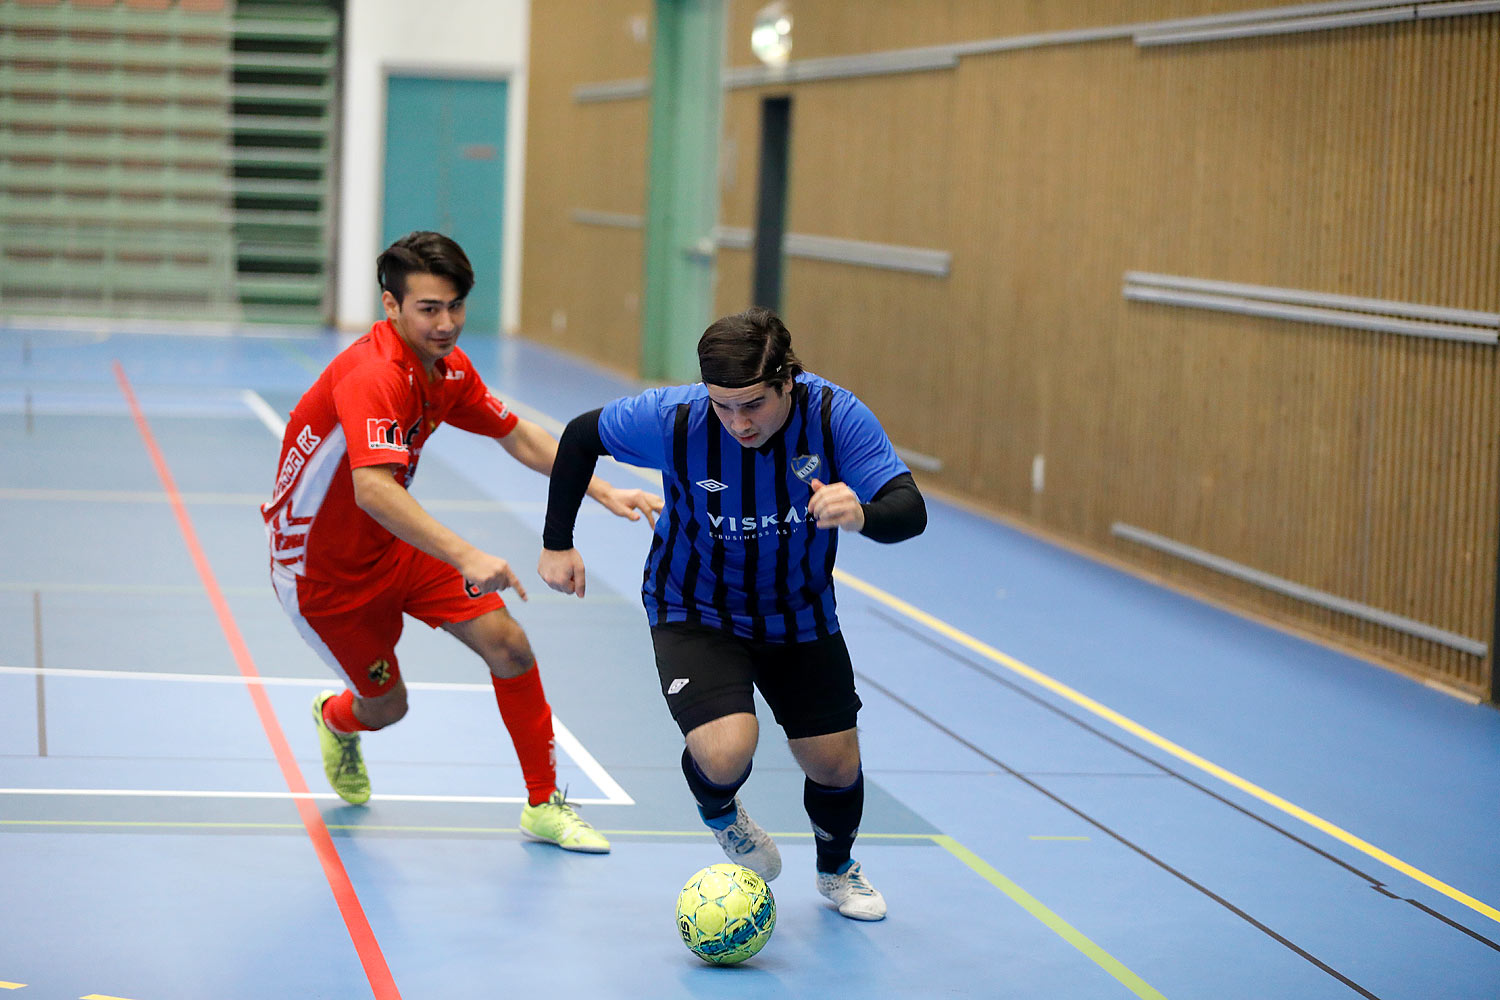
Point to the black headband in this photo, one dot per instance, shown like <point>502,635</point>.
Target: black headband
<point>740,383</point>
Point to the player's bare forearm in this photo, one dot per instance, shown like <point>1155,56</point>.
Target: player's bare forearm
<point>378,494</point>
<point>397,511</point>
<point>532,446</point>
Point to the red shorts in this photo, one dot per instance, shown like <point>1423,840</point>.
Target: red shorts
<point>359,643</point>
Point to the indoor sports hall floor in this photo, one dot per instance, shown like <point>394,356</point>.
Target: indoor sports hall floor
<point>1081,785</point>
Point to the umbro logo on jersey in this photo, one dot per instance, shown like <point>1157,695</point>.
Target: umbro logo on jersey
<point>677,685</point>
<point>712,485</point>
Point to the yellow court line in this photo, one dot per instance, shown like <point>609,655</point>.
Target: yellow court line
<point>987,871</point>
<point>12,986</point>
<point>1057,924</point>
<point>1181,753</point>
<point>1135,728</point>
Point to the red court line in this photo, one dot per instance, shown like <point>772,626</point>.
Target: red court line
<point>370,955</point>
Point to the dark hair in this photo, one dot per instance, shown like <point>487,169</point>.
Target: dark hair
<point>747,348</point>
<point>423,252</point>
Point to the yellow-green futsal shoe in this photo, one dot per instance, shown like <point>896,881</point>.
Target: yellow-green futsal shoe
<point>342,762</point>
<point>555,822</point>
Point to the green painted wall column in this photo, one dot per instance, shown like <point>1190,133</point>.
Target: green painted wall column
<point>682,199</point>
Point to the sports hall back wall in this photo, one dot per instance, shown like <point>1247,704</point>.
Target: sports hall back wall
<point>1349,161</point>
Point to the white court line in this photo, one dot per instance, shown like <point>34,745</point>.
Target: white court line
<point>183,793</point>
<point>1131,726</point>
<point>563,736</point>
<point>566,742</point>
<point>265,412</point>
<point>614,794</point>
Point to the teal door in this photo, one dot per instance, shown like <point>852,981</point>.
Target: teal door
<point>445,171</point>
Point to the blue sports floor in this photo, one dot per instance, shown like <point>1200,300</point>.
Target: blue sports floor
<point>1081,785</point>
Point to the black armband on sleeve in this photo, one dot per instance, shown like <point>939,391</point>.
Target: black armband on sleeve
<point>577,453</point>
<point>897,511</point>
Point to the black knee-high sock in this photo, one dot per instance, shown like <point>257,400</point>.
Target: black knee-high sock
<point>714,801</point>
<point>835,815</point>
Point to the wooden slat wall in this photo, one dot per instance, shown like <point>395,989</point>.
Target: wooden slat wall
<point>849,157</point>
<point>1360,464</point>
<point>581,284</point>
<point>1359,161</point>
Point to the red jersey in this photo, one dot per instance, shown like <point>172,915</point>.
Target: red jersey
<point>373,405</point>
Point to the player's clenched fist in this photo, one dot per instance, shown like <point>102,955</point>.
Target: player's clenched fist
<point>835,505</point>
<point>562,570</point>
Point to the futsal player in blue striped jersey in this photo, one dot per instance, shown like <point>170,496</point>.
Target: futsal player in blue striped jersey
<point>763,464</point>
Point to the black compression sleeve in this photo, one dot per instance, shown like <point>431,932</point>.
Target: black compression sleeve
<point>577,453</point>
<point>897,511</point>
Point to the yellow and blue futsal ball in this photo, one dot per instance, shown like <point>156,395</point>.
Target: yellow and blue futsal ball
<point>725,914</point>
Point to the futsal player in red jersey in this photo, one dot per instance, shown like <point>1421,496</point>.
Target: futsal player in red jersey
<point>352,550</point>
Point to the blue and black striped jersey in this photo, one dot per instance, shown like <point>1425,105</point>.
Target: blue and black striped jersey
<point>734,548</point>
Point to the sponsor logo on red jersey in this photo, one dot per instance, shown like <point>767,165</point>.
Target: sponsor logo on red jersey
<point>385,432</point>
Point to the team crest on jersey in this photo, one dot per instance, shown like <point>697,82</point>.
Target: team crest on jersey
<point>803,466</point>
<point>379,671</point>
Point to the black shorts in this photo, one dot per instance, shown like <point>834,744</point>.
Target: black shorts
<point>707,674</point>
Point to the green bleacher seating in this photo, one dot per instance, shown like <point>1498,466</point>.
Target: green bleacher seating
<point>171,160</point>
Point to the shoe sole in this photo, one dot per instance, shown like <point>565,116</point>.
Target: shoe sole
<point>768,876</point>
<point>577,849</point>
<point>853,916</point>
<point>862,916</point>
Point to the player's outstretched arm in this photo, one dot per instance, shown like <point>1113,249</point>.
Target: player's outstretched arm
<point>627,503</point>
<point>529,444</point>
<point>378,494</point>
<point>560,564</point>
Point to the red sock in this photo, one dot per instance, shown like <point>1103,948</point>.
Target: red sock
<point>338,712</point>
<point>528,717</point>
